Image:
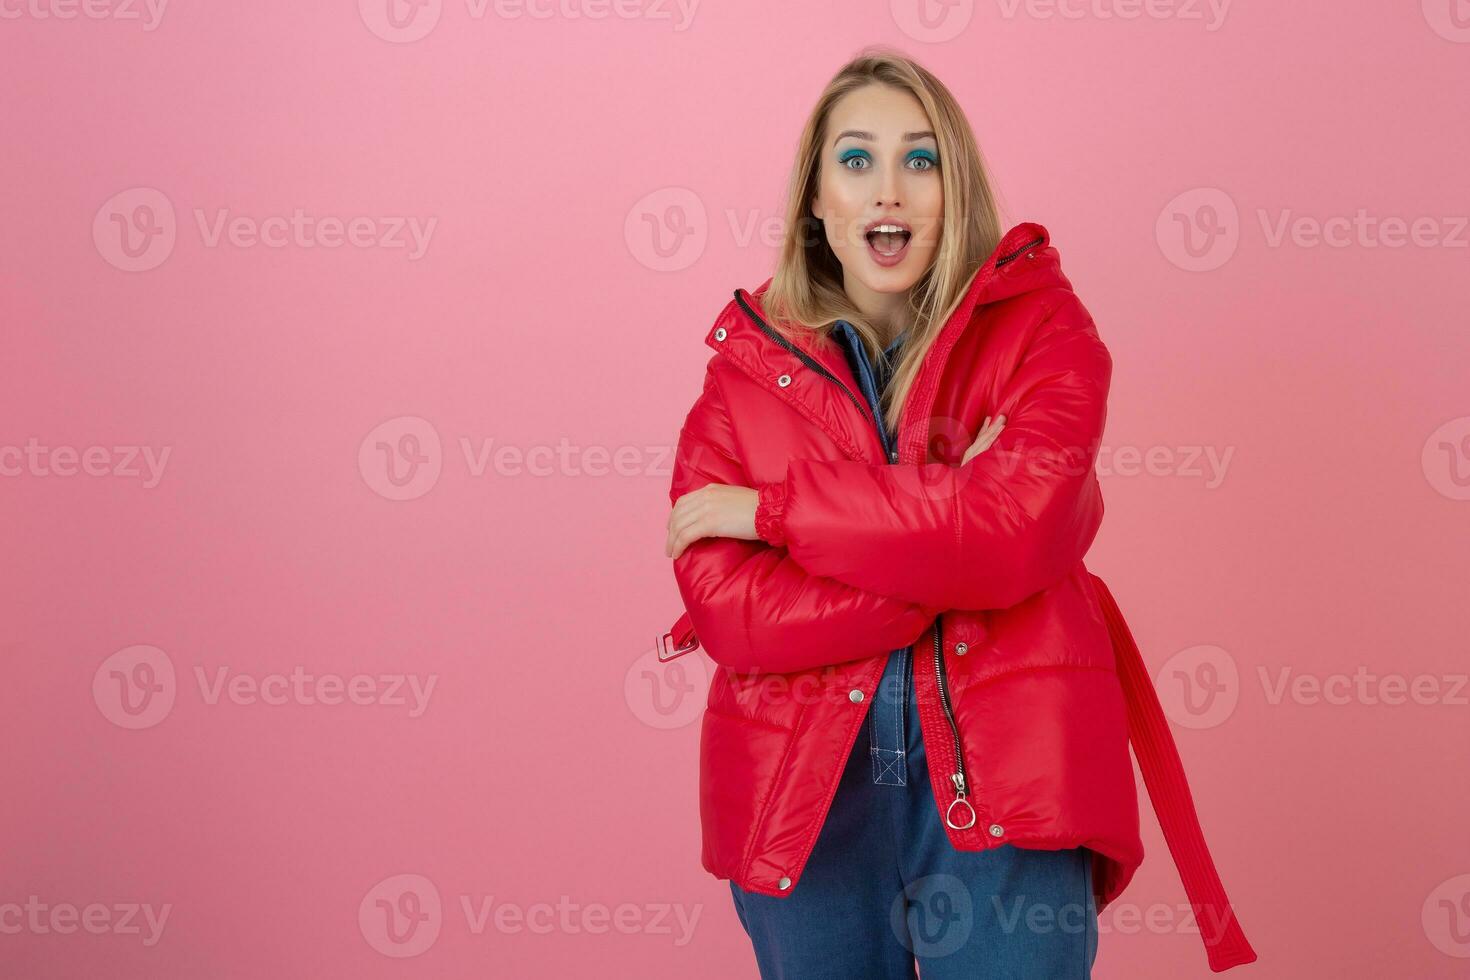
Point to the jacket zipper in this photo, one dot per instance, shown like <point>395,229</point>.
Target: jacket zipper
<point>1011,255</point>
<point>806,358</point>
<point>958,778</point>
<point>961,787</point>
<point>961,790</point>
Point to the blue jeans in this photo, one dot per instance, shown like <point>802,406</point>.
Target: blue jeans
<point>884,887</point>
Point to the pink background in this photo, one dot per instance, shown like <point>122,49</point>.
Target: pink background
<point>551,763</point>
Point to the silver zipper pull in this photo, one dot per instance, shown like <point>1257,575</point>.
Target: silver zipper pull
<point>959,798</point>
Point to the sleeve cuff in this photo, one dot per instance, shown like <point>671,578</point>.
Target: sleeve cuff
<point>770,511</point>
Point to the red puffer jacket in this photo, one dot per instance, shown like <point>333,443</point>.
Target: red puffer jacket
<point>1028,682</point>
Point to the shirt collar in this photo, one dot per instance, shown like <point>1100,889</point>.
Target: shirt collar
<point>850,335</point>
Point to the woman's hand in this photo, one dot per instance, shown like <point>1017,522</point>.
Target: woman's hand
<point>713,511</point>
<point>988,434</point>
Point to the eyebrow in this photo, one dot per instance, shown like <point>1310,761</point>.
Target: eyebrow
<point>860,134</point>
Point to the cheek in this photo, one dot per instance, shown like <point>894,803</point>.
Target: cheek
<point>929,216</point>
<point>843,217</point>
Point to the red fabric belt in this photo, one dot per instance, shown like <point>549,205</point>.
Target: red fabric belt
<point>1163,775</point>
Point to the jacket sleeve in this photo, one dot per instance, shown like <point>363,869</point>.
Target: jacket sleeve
<point>752,607</point>
<point>986,535</point>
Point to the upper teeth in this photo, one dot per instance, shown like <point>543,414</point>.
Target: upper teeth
<point>888,228</point>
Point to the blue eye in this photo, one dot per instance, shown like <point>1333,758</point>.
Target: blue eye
<point>849,155</point>
<point>926,156</point>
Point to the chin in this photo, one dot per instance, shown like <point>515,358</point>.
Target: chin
<point>897,279</point>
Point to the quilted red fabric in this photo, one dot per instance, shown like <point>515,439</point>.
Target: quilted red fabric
<point>980,565</point>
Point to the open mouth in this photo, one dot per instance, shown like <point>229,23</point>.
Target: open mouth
<point>888,240</point>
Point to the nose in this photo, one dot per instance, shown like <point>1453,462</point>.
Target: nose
<point>888,188</point>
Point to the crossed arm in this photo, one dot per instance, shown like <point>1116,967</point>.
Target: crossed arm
<point>752,606</point>
<point>986,534</point>
<point>870,553</point>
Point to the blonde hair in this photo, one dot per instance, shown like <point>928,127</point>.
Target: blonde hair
<point>806,287</point>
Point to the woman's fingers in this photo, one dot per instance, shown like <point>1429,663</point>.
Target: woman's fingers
<point>988,434</point>
<point>684,522</point>
<point>716,510</point>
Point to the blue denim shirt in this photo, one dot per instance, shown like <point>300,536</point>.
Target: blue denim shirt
<point>886,715</point>
<point>872,378</point>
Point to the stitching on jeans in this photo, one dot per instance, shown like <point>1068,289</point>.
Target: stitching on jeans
<point>898,738</point>
<point>874,741</point>
<point>882,768</point>
<point>889,762</point>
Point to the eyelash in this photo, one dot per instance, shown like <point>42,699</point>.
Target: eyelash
<point>862,155</point>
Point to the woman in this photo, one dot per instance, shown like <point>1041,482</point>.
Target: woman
<point>915,747</point>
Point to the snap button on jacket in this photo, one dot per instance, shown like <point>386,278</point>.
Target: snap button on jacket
<point>1029,685</point>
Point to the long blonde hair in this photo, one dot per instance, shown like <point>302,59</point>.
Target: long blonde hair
<point>806,287</point>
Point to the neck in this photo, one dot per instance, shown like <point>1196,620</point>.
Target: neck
<point>887,312</point>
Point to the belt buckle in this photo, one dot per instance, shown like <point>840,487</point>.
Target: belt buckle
<point>668,650</point>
